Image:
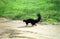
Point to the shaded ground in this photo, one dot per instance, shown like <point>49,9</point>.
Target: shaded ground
<point>17,30</point>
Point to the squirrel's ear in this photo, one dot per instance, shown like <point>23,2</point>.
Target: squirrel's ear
<point>23,20</point>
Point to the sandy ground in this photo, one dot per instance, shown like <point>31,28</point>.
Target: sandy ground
<point>17,30</point>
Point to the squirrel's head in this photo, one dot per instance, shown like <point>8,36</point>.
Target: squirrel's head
<point>24,20</point>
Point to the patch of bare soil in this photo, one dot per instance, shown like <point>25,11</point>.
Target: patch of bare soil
<point>16,29</point>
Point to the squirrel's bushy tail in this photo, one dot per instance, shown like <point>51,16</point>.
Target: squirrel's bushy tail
<point>39,17</point>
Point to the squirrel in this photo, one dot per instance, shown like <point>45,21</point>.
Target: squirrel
<point>33,21</point>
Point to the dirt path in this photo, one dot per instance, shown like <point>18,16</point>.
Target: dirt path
<point>17,30</point>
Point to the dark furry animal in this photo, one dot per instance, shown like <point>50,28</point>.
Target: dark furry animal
<point>32,21</point>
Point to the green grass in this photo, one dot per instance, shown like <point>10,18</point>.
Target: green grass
<point>24,9</point>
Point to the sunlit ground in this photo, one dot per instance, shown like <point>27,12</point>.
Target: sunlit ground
<point>17,30</point>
